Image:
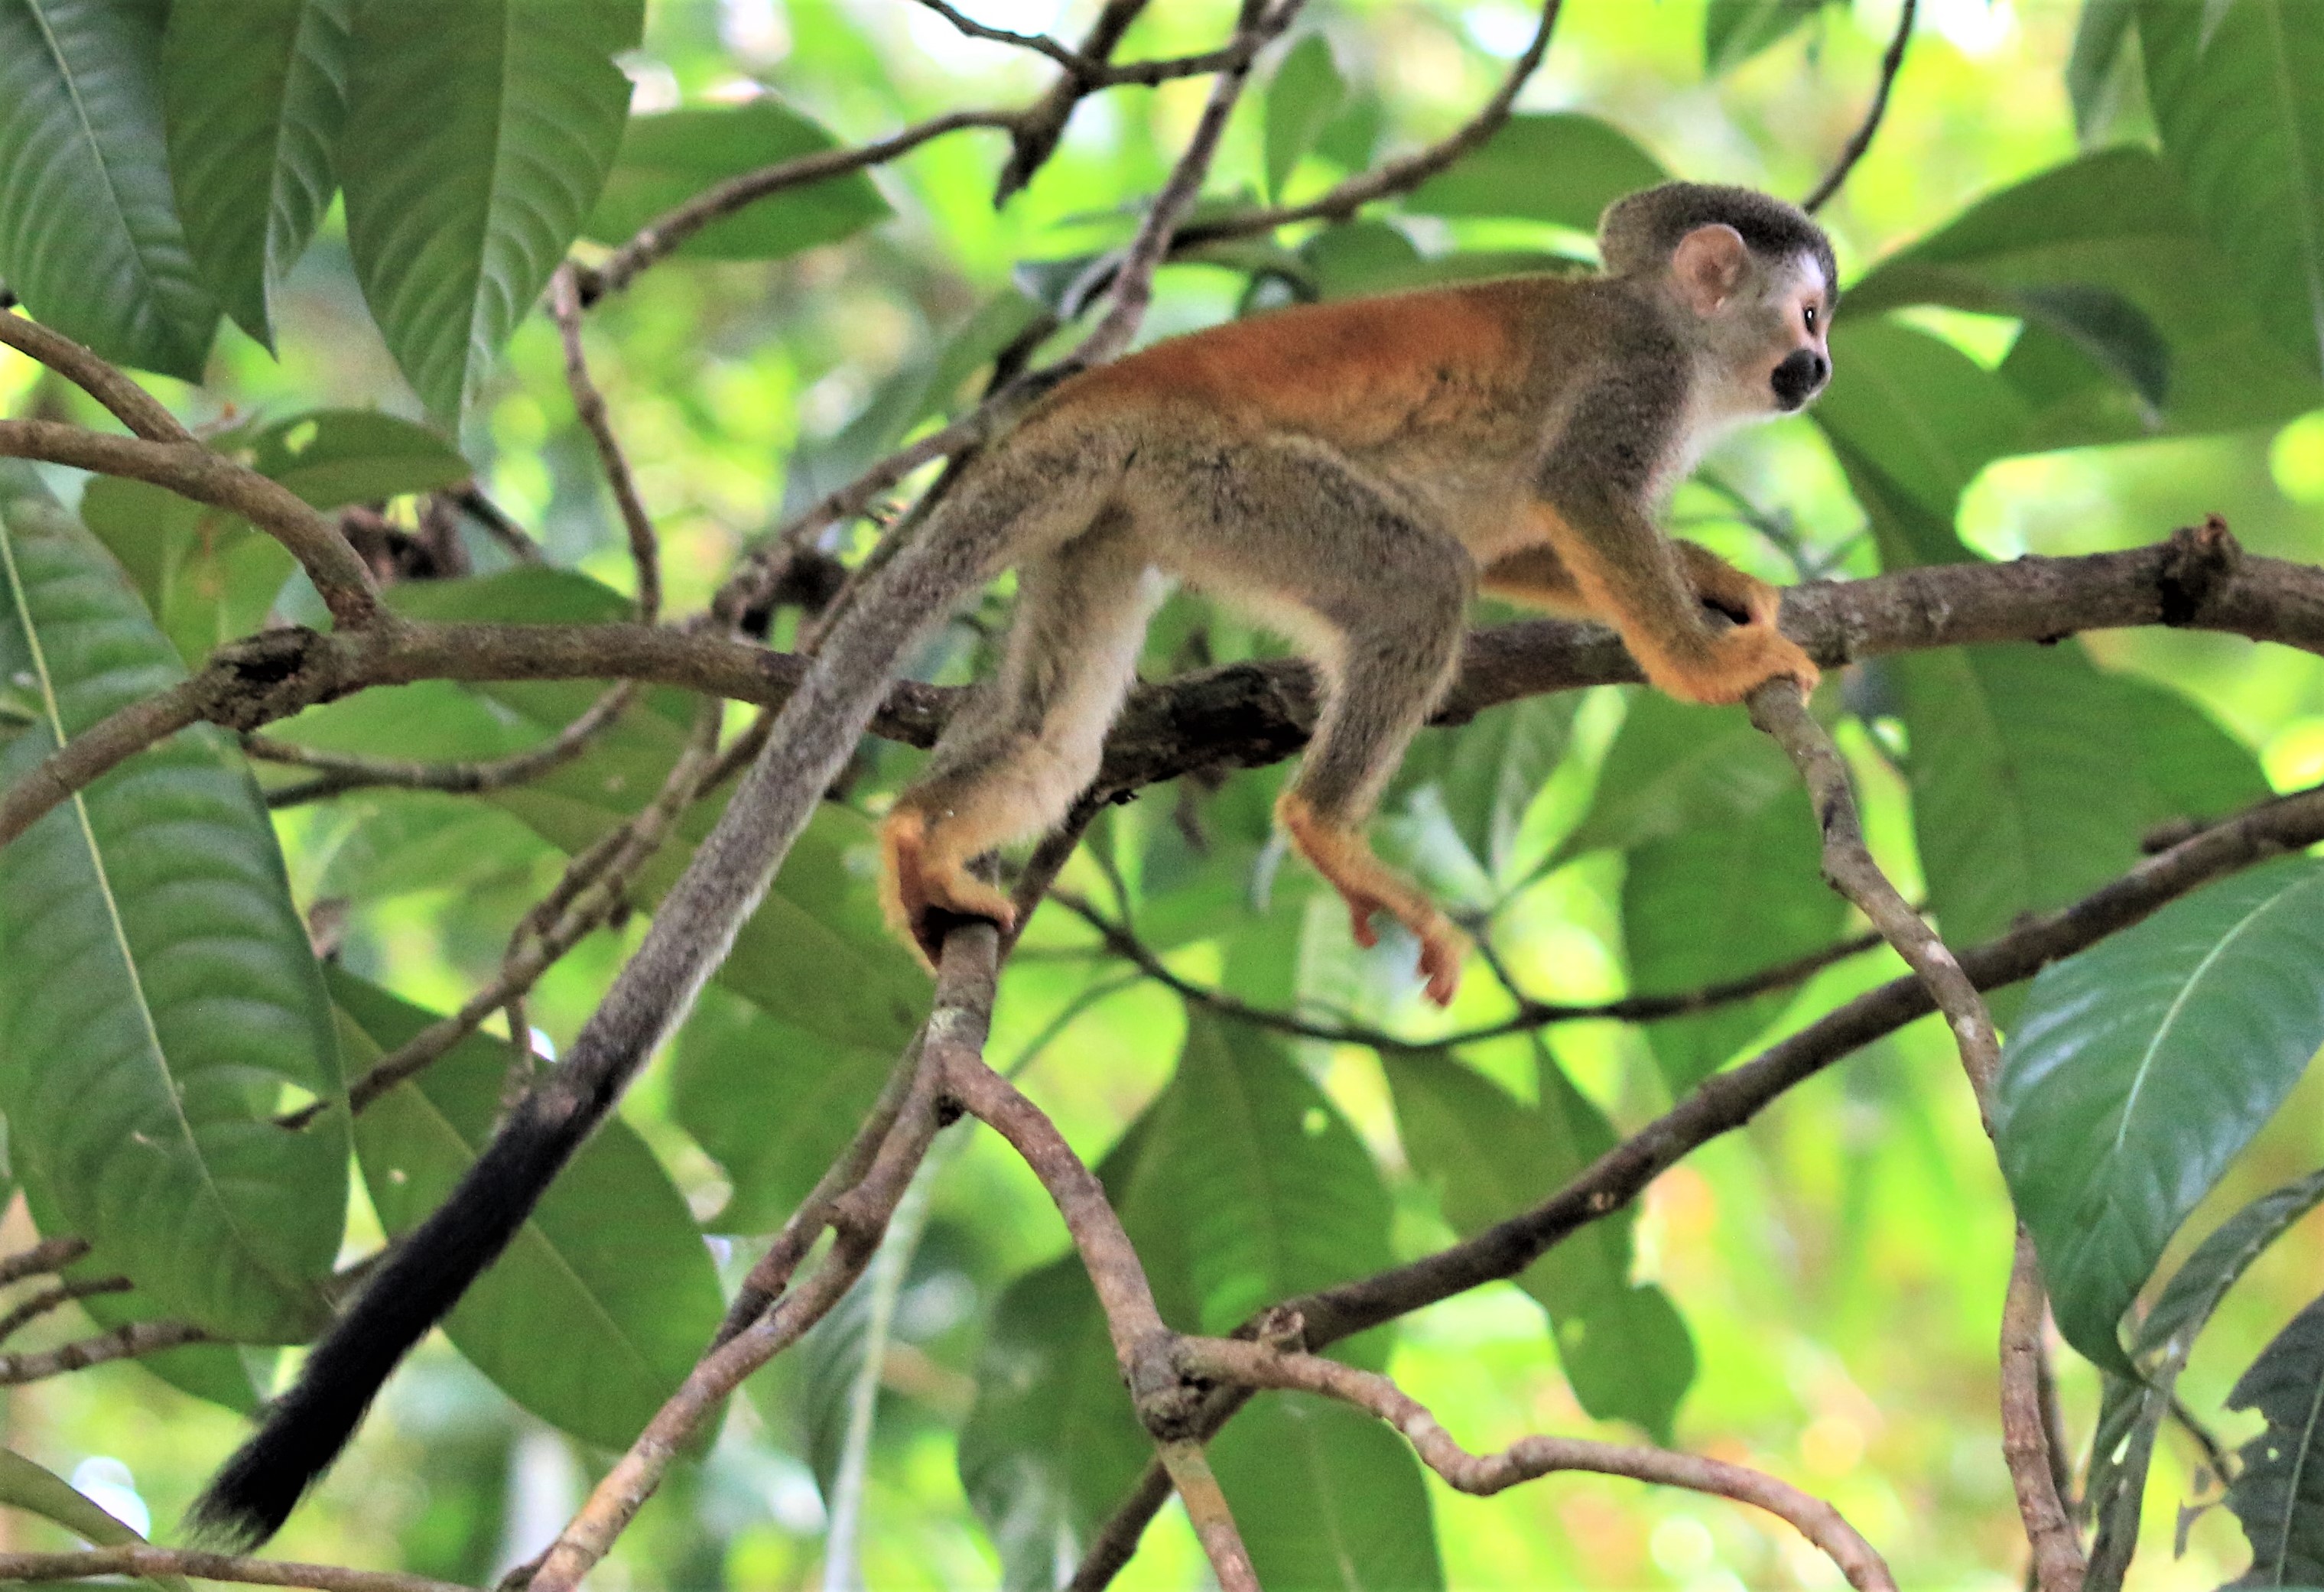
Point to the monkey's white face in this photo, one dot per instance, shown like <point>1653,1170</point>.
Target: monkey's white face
<point>1802,304</point>
<point>1762,351</point>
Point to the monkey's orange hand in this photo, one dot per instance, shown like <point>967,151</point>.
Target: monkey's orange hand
<point>927,896</point>
<point>1367,887</point>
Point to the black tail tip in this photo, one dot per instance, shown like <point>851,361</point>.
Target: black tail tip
<point>239,1510</point>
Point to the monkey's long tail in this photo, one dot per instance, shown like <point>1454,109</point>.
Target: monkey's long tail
<point>959,549</point>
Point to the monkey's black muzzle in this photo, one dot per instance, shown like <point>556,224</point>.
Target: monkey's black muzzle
<point>1800,377</point>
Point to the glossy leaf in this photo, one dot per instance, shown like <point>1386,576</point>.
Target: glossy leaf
<point>1625,1350</point>
<point>479,134</point>
<point>256,96</point>
<point>609,1268</point>
<point>28,1486</point>
<point>1734,31</point>
<point>1327,1496</point>
<point>89,236</point>
<point>671,157</point>
<point>2111,229</point>
<point>2141,1067</point>
<point>2238,93</point>
<point>157,995</point>
<point>2133,1409</point>
<point>1557,166</point>
<point>2278,1493</point>
<point>1304,94</point>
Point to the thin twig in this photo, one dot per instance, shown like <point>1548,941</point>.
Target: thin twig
<point>51,1299</point>
<point>2058,1565</point>
<point>138,1338</point>
<point>193,471</point>
<point>589,408</point>
<point>50,1254</point>
<point>1530,1014</point>
<point>1854,150</point>
<point>1397,175</point>
<point>146,1560</point>
<point>1262,1364</point>
<point>122,398</point>
<point>471,500</point>
<point>1036,129</point>
<point>344,771</point>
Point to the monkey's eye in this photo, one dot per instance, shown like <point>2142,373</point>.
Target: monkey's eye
<point>1811,317</point>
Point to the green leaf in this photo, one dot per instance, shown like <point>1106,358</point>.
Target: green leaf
<point>1301,97</point>
<point>609,1269</point>
<point>2132,1410</point>
<point>1675,766</point>
<point>206,576</point>
<point>256,96</point>
<point>2238,93</point>
<point>1625,1350</point>
<point>2101,38</point>
<point>1560,167</point>
<point>89,237</point>
<point>674,156</point>
<point>1492,769</point>
<point>2278,1495</point>
<point>2026,791</point>
<point>38,1491</point>
<point>1921,411</point>
<point>332,457</point>
<point>1327,1496</point>
<point>1734,31</point>
<point>2116,224</point>
<point>2141,1067</point>
<point>157,994</point>
<point>1719,902</point>
<point>2193,767</point>
<point>479,133</point>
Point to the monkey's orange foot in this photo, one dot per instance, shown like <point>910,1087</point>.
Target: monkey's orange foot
<point>1741,660</point>
<point>1367,887</point>
<point>927,896</point>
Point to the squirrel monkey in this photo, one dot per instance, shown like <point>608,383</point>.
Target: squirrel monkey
<point>1352,472</point>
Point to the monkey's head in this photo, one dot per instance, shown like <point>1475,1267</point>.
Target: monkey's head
<point>1753,279</point>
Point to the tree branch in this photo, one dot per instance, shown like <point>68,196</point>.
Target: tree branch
<point>139,1337</point>
<point>146,1560</point>
<point>346,771</point>
<point>56,1298</point>
<point>1262,1364</point>
<point>589,408</point>
<point>50,1254</point>
<point>122,398</point>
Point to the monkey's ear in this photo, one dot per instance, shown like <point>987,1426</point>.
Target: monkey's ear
<point>1708,266</point>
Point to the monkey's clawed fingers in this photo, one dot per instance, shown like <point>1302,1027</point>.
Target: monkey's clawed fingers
<point>926,898</point>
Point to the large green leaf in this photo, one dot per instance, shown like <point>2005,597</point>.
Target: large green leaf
<point>2141,1067</point>
<point>1717,902</point>
<point>671,157</point>
<point>1304,94</point>
<point>330,457</point>
<point>2278,1493</point>
<point>2132,1410</point>
<point>1327,1497</point>
<point>256,95</point>
<point>1556,166</point>
<point>1489,772</point>
<point>1626,1351</point>
<point>2026,779</point>
<point>157,995</point>
<point>479,134</point>
<point>206,576</point>
<point>609,1269</point>
<point>2238,92</point>
<point>2105,232</point>
<point>89,237</point>
<point>1676,767</point>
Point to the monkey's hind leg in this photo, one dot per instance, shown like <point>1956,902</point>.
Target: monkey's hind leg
<point>1024,745</point>
<point>1383,613</point>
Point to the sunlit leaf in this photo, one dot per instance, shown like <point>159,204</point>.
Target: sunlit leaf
<point>256,95</point>
<point>1327,1496</point>
<point>89,237</point>
<point>335,457</point>
<point>1303,96</point>
<point>1557,166</point>
<point>2141,1067</point>
<point>1734,31</point>
<point>671,157</point>
<point>479,133</point>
